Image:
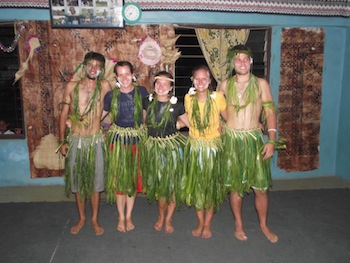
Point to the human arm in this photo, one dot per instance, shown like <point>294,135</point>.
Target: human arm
<point>222,87</point>
<point>64,118</point>
<point>106,87</point>
<point>182,121</point>
<point>270,118</point>
<point>223,114</point>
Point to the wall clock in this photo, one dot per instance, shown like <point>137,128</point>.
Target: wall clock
<point>131,13</point>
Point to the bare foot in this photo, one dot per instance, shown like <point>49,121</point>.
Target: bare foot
<point>129,225</point>
<point>159,224</point>
<point>206,232</point>
<point>169,227</point>
<point>97,228</point>
<point>75,229</point>
<point>121,225</point>
<point>240,235</point>
<point>272,237</point>
<point>197,231</point>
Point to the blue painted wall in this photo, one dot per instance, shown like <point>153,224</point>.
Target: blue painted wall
<point>343,142</point>
<point>334,142</point>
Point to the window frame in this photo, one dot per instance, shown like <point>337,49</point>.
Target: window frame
<point>7,79</point>
<point>266,56</point>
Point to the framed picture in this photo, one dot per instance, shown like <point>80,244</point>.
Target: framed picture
<point>86,13</point>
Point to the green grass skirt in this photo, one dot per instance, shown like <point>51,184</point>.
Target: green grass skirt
<point>123,155</point>
<point>242,163</point>
<point>84,164</point>
<point>201,183</point>
<point>161,165</point>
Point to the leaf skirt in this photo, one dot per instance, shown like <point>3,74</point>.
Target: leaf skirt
<point>123,155</point>
<point>242,162</point>
<point>201,183</point>
<point>85,164</point>
<point>162,165</point>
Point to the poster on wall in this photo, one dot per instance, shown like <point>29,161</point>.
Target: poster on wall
<point>86,13</point>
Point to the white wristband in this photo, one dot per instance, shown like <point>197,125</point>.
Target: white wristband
<point>274,130</point>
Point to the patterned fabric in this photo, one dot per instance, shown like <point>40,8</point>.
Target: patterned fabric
<point>43,85</point>
<point>215,44</point>
<point>300,96</point>
<point>292,7</point>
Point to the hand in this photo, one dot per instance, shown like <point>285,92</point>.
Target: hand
<point>64,149</point>
<point>268,150</point>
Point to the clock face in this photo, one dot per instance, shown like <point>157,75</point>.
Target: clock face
<point>131,13</point>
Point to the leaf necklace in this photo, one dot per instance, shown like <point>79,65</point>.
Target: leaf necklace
<point>250,94</point>
<point>76,117</point>
<point>196,114</point>
<point>151,113</point>
<point>137,105</point>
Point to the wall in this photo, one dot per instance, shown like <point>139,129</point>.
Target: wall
<point>14,163</point>
<point>343,149</point>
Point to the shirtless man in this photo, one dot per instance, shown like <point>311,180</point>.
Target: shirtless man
<point>82,108</point>
<point>246,158</point>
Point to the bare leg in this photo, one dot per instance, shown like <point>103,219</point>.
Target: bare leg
<point>95,204</point>
<point>198,230</point>
<point>81,210</point>
<point>168,221</point>
<point>130,201</point>
<point>262,206</point>
<point>162,206</point>
<point>121,201</point>
<point>207,223</point>
<point>236,207</point>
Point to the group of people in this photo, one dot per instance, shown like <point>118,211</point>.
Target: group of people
<point>144,151</point>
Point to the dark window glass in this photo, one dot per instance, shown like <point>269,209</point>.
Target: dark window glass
<point>10,94</point>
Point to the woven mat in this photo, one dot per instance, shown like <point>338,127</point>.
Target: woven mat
<point>53,64</point>
<point>299,98</point>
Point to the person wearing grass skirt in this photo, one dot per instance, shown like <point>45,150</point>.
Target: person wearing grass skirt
<point>201,185</point>
<point>84,146</point>
<point>162,153</point>
<point>246,157</point>
<point>123,177</point>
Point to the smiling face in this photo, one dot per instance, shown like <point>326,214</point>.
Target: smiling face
<point>162,86</point>
<point>241,63</point>
<point>124,76</point>
<point>201,79</point>
<point>93,69</point>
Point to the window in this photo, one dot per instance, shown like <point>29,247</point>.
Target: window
<point>10,95</point>
<point>191,56</point>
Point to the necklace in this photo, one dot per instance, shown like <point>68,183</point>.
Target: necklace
<point>151,113</point>
<point>137,105</point>
<point>80,118</point>
<point>250,93</point>
<point>200,125</point>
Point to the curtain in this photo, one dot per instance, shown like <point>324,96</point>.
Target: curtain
<point>215,44</point>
